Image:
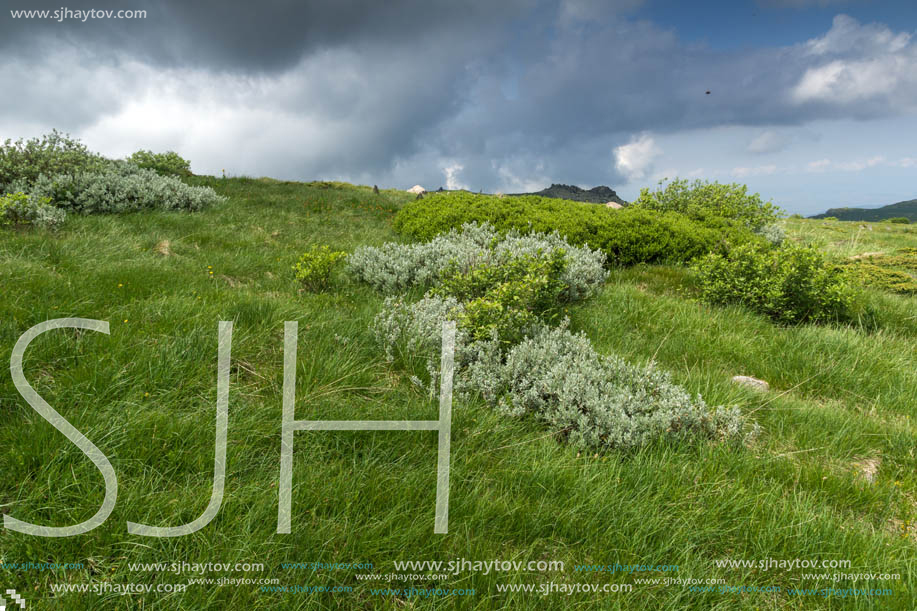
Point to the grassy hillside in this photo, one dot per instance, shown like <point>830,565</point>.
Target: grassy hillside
<point>906,209</point>
<point>831,477</point>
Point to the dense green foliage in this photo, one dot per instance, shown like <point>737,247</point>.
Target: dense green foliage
<point>22,162</point>
<point>900,220</point>
<point>626,236</point>
<point>793,284</point>
<point>169,163</point>
<point>702,199</point>
<point>315,266</point>
<point>505,299</point>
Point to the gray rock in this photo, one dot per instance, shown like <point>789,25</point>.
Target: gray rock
<point>753,383</point>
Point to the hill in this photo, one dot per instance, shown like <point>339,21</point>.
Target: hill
<point>831,477</point>
<point>906,209</point>
<point>596,195</point>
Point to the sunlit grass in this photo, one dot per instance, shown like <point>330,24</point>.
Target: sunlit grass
<point>146,394</point>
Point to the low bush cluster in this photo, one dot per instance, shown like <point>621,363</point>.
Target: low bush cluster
<point>315,266</point>
<point>121,187</point>
<point>594,401</point>
<point>21,209</point>
<point>169,163</point>
<point>23,161</point>
<point>702,199</point>
<point>627,236</point>
<point>396,267</point>
<point>791,284</point>
<point>900,220</point>
<point>504,294</point>
<point>49,176</point>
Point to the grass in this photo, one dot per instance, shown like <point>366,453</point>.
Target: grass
<point>844,400</point>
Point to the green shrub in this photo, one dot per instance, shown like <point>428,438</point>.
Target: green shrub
<point>627,236</point>
<point>21,209</point>
<point>792,284</point>
<point>121,187</point>
<point>830,218</point>
<point>505,299</point>
<point>315,266</point>
<point>701,200</point>
<point>901,220</point>
<point>22,162</point>
<point>164,164</point>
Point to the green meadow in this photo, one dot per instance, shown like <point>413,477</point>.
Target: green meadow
<point>830,478</point>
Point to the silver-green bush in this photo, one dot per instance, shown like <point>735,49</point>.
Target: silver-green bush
<point>21,209</point>
<point>395,267</point>
<point>551,374</point>
<point>121,187</point>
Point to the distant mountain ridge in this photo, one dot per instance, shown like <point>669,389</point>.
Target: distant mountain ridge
<point>595,195</point>
<point>906,209</point>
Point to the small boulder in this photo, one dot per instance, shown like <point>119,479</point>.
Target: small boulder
<point>614,205</point>
<point>417,189</point>
<point>753,383</point>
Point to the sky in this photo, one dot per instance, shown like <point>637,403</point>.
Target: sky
<point>811,103</point>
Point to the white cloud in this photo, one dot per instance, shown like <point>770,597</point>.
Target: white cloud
<point>513,181</point>
<point>846,82</point>
<point>848,35</point>
<point>636,158</point>
<point>818,166</point>
<point>451,172</point>
<point>767,142</point>
<point>857,165</point>
<point>905,162</point>
<point>859,63</point>
<point>761,170</point>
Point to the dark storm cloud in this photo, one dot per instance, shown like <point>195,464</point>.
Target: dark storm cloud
<point>263,36</point>
<point>496,95</point>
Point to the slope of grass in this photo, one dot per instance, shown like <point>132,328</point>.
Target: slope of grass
<point>843,400</point>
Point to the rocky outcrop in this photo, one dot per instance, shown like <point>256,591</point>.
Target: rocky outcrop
<point>595,195</point>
